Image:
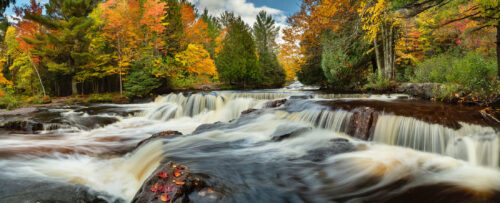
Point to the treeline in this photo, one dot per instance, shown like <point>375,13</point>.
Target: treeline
<point>372,44</point>
<point>70,47</point>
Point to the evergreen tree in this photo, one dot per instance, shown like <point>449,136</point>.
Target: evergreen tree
<point>237,61</point>
<point>214,29</point>
<point>64,45</point>
<point>265,33</point>
<point>173,33</point>
<point>311,72</point>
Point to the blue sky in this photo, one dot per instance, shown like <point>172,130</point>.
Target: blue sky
<point>245,8</point>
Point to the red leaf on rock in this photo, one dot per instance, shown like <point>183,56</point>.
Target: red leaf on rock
<point>177,173</point>
<point>165,197</point>
<point>161,188</point>
<point>154,187</point>
<point>162,175</point>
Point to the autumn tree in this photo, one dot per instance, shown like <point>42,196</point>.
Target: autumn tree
<point>195,60</point>
<point>265,33</point>
<point>121,27</point>
<point>214,31</point>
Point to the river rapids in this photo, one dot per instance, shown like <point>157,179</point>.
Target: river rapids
<point>452,158</point>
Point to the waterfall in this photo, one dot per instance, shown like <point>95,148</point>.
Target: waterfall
<point>476,144</point>
<point>337,121</point>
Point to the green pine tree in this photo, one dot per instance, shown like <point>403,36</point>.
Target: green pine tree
<point>64,45</point>
<point>237,62</point>
<point>265,32</point>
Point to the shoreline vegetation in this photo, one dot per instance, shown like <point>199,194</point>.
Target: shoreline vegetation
<point>112,50</point>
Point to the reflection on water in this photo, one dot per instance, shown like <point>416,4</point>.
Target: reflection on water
<point>241,160</point>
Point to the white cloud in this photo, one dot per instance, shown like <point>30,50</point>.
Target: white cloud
<point>248,11</point>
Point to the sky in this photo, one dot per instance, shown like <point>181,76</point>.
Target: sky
<point>247,9</point>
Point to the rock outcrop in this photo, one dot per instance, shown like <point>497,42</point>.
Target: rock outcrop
<point>171,182</point>
<point>422,90</point>
<point>22,125</point>
<point>164,134</point>
<point>362,124</point>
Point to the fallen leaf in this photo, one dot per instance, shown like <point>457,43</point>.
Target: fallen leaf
<point>181,167</point>
<point>177,173</point>
<point>165,197</point>
<point>179,182</point>
<point>174,166</point>
<point>154,187</point>
<point>162,175</point>
<point>161,188</point>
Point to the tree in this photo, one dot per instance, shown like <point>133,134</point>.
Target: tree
<point>63,45</point>
<point>121,27</point>
<point>195,60</point>
<point>237,61</point>
<point>174,30</point>
<point>265,32</point>
<point>214,31</point>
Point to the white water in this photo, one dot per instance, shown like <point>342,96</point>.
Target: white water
<point>122,176</point>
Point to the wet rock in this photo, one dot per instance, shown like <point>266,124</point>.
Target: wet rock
<point>339,145</point>
<point>22,125</point>
<point>171,182</point>
<point>164,134</point>
<point>423,90</point>
<point>92,122</point>
<point>16,190</point>
<point>301,97</point>
<point>362,124</point>
<point>248,111</point>
<point>275,103</point>
<point>288,131</point>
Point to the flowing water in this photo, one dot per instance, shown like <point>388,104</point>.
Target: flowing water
<point>94,146</point>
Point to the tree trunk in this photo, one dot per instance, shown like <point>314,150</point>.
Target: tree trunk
<point>498,49</point>
<point>377,57</point>
<point>74,89</point>
<point>121,83</point>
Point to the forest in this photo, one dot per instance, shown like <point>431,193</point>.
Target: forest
<point>135,48</point>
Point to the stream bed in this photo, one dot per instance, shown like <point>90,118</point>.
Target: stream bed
<point>292,146</point>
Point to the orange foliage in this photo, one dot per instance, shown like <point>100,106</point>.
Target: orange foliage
<point>195,29</point>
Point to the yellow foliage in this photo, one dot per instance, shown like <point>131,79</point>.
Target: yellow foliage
<point>195,60</point>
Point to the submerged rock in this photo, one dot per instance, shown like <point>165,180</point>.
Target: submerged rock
<point>288,131</point>
<point>171,182</point>
<point>22,125</point>
<point>16,190</point>
<point>338,145</point>
<point>164,134</point>
<point>301,97</point>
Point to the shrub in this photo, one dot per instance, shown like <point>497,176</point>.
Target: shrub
<point>377,82</point>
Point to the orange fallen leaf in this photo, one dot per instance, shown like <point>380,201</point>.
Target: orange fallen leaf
<point>177,173</point>
<point>165,197</point>
<point>154,187</point>
<point>179,182</point>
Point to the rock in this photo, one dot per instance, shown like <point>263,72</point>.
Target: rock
<point>423,90</point>
<point>248,111</point>
<point>362,124</point>
<point>339,145</point>
<point>288,131</point>
<point>169,134</point>
<point>16,190</point>
<point>171,182</point>
<point>22,125</point>
<point>275,103</point>
<point>301,97</point>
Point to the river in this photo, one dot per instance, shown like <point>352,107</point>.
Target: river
<point>409,146</point>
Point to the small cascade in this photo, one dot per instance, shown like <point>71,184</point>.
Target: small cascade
<point>362,96</point>
<point>337,121</point>
<point>476,144</point>
<point>256,95</point>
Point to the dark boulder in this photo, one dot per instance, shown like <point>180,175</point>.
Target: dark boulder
<point>22,125</point>
<point>171,182</point>
<point>275,103</point>
<point>164,134</point>
<point>362,124</point>
<point>288,131</point>
<point>16,190</point>
<point>422,90</point>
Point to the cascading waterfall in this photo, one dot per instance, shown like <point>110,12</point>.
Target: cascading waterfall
<point>337,121</point>
<point>476,144</point>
